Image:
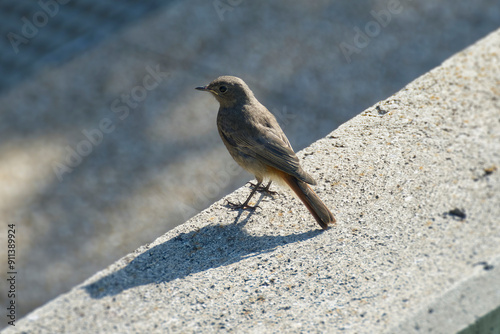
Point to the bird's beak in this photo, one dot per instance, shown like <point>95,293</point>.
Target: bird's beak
<point>206,89</point>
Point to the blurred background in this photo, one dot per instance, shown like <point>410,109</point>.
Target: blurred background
<point>104,143</point>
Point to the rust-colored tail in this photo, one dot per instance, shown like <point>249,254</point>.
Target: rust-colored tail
<point>317,208</point>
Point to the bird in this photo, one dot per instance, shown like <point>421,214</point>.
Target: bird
<point>257,143</point>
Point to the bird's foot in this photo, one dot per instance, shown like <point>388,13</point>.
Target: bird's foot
<point>263,189</point>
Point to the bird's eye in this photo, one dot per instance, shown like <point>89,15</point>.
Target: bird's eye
<point>222,89</point>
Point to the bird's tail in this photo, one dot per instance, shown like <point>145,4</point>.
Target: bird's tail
<point>317,208</point>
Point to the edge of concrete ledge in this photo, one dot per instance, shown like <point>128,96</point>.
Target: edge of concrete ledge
<point>400,259</point>
<point>470,306</point>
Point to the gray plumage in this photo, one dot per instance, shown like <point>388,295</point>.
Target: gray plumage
<point>257,143</point>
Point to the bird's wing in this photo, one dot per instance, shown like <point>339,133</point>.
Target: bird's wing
<point>270,146</point>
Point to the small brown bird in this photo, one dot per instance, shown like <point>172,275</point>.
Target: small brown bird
<point>256,142</point>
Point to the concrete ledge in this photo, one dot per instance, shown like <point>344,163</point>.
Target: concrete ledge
<point>414,182</point>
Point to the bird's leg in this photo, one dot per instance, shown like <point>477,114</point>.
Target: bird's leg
<point>245,205</point>
<point>263,189</point>
<point>268,190</point>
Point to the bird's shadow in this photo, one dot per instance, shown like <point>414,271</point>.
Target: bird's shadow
<point>210,247</point>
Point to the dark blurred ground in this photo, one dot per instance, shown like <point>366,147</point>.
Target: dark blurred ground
<point>105,144</point>
<point>49,32</point>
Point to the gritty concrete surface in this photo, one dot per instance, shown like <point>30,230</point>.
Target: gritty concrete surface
<point>414,183</point>
<point>163,161</point>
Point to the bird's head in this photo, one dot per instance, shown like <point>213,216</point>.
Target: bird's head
<point>229,91</point>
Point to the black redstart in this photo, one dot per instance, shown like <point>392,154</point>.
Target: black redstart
<point>256,142</point>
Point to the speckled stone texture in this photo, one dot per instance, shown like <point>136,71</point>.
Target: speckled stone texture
<point>414,182</point>
<point>160,160</point>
